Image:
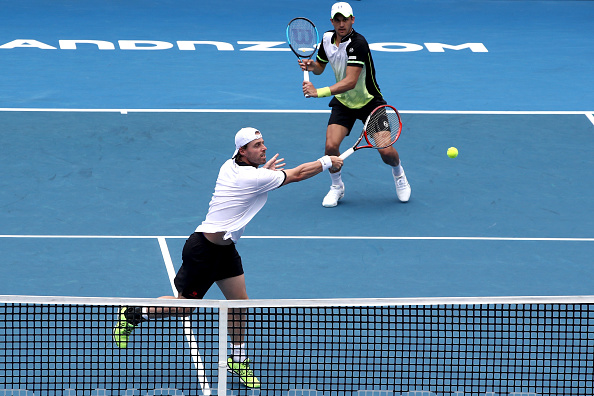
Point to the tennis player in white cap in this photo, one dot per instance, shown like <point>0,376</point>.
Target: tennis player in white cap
<point>356,94</point>
<point>209,255</point>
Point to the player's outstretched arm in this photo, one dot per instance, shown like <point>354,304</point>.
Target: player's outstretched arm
<point>310,169</point>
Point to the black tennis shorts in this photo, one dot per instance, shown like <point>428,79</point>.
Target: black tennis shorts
<point>347,117</point>
<point>204,263</point>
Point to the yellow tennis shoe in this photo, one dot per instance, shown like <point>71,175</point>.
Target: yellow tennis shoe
<point>244,372</point>
<point>123,329</point>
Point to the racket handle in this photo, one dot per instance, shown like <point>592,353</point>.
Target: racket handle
<point>347,153</point>
<point>306,78</point>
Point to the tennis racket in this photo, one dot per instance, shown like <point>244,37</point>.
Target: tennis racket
<point>303,38</point>
<point>382,128</point>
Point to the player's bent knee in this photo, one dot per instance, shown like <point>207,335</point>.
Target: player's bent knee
<point>332,149</point>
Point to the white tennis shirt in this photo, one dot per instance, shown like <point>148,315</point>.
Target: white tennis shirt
<point>240,192</point>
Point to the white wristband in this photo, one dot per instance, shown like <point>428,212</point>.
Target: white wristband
<point>326,162</point>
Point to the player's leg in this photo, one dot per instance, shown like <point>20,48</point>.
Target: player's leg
<point>191,281</point>
<point>238,363</point>
<point>335,134</point>
<point>163,312</point>
<point>231,280</point>
<point>234,289</point>
<point>130,317</point>
<point>390,157</point>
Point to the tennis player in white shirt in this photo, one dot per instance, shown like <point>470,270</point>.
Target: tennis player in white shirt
<point>209,255</point>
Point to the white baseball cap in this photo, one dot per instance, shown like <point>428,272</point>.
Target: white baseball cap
<point>341,8</point>
<point>244,136</point>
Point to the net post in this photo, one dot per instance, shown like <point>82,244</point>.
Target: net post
<point>222,370</point>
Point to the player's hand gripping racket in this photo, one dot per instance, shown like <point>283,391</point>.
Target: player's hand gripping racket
<point>303,39</point>
<point>382,128</point>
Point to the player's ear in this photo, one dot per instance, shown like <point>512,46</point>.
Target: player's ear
<point>242,150</point>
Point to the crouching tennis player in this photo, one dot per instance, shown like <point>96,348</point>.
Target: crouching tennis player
<point>209,255</point>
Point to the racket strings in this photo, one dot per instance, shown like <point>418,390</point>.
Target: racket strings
<point>383,128</point>
<point>303,37</point>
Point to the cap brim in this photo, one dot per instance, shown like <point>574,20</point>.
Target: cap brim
<point>338,12</point>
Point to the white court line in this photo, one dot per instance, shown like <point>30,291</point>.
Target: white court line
<point>127,111</point>
<point>168,263</point>
<point>95,236</point>
<point>364,238</point>
<point>590,117</point>
<point>190,337</point>
<point>430,238</point>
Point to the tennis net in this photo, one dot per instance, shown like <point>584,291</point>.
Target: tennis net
<point>438,346</point>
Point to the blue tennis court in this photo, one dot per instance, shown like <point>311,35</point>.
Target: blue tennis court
<point>117,116</point>
<point>501,219</point>
<point>512,215</point>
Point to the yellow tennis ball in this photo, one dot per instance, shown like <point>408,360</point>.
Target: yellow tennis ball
<point>452,152</point>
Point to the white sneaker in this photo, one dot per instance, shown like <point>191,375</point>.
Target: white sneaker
<point>334,195</point>
<point>402,187</point>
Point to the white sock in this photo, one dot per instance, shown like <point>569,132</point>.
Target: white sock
<point>145,313</point>
<point>336,179</point>
<point>238,352</point>
<point>397,170</point>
